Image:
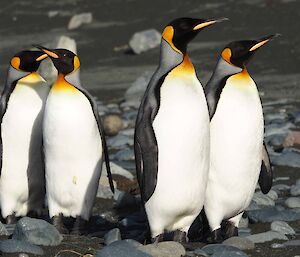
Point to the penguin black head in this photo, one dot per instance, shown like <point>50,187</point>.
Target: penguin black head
<point>27,61</point>
<point>238,53</point>
<point>181,31</point>
<point>64,60</point>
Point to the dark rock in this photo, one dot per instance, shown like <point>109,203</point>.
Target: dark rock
<point>240,242</point>
<point>112,236</point>
<point>37,231</point>
<point>272,214</point>
<point>266,237</point>
<point>144,40</point>
<point>121,249</point>
<point>296,116</point>
<point>16,246</point>
<point>220,250</point>
<point>124,199</point>
<point>293,202</point>
<point>282,227</point>
<point>112,124</point>
<point>164,249</point>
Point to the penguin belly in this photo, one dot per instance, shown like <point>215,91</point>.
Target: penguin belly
<point>73,153</point>
<point>236,148</point>
<point>22,183</point>
<point>181,128</point>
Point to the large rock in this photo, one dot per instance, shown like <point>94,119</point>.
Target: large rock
<point>77,20</point>
<point>144,40</point>
<point>240,242</point>
<point>282,227</point>
<point>273,214</point>
<point>118,170</point>
<point>112,124</point>
<point>136,91</point>
<point>3,230</point>
<point>124,248</point>
<point>266,237</point>
<point>220,250</point>
<point>164,249</point>
<point>16,246</point>
<point>293,202</point>
<point>37,232</point>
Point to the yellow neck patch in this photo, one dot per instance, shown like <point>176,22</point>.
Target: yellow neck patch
<point>183,69</point>
<point>167,35</point>
<point>242,79</point>
<point>31,78</point>
<point>62,86</point>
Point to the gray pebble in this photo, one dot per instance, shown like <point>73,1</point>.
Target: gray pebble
<point>16,246</point>
<point>293,202</point>
<point>112,236</point>
<point>263,200</point>
<point>112,124</point>
<point>266,237</point>
<point>298,182</point>
<point>239,242</point>
<point>127,132</point>
<point>282,227</point>
<point>124,199</point>
<point>164,249</point>
<point>3,230</point>
<point>281,187</point>
<point>37,231</point>
<point>244,232</point>
<point>277,246</point>
<point>119,141</point>
<point>125,155</point>
<point>295,190</point>
<point>289,157</point>
<point>220,250</point>
<point>292,243</point>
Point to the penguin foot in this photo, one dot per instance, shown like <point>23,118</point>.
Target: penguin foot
<point>216,236</point>
<point>79,227</point>
<point>230,230</point>
<point>180,237</point>
<point>157,239</point>
<point>11,219</point>
<point>57,222</point>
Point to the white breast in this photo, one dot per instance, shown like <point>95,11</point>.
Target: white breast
<point>73,153</point>
<point>22,161</point>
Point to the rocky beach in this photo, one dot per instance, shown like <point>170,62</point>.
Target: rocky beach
<point>117,43</point>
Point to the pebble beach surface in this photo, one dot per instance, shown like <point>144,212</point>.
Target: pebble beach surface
<point>117,78</point>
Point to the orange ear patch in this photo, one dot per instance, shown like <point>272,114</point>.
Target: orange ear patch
<point>15,62</point>
<point>76,63</point>
<point>167,35</point>
<point>226,54</point>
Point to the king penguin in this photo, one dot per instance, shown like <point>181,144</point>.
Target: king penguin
<point>238,156</point>
<point>74,145</point>
<point>172,136</point>
<point>22,182</point>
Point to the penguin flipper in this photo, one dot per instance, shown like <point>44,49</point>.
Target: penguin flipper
<point>266,172</point>
<point>101,131</point>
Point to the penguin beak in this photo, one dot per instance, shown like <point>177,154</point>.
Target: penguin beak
<point>262,42</point>
<point>208,23</point>
<point>41,57</point>
<point>47,51</point>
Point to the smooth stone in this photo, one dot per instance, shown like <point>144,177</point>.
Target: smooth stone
<point>3,230</point>
<point>77,20</point>
<point>244,232</point>
<point>295,190</point>
<point>10,228</point>
<point>277,246</point>
<point>292,243</point>
<point>124,199</point>
<point>127,132</point>
<point>37,231</point>
<point>281,187</point>
<point>244,222</point>
<point>118,170</point>
<point>253,206</point>
<point>220,250</point>
<point>145,40</point>
<point>282,227</point>
<point>273,214</point>
<point>292,139</point>
<point>17,246</point>
<point>273,195</point>
<point>164,249</point>
<point>239,242</point>
<point>271,117</point>
<point>289,157</point>
<point>119,141</point>
<point>112,236</point>
<point>278,129</point>
<point>136,91</point>
<point>125,155</point>
<point>112,124</point>
<point>262,199</point>
<point>199,252</point>
<point>275,140</point>
<point>293,202</point>
<point>122,248</point>
<point>266,237</point>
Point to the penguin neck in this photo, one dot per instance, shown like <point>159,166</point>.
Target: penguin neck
<point>185,68</point>
<point>63,86</point>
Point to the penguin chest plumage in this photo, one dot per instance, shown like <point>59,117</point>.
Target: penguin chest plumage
<point>73,151</point>
<point>181,128</point>
<point>236,147</point>
<point>22,176</point>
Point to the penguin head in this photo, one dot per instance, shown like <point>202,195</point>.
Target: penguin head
<point>181,31</point>
<point>27,61</point>
<point>65,61</point>
<point>238,53</point>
